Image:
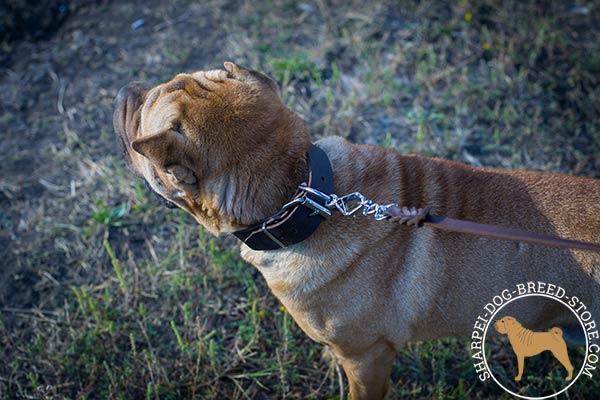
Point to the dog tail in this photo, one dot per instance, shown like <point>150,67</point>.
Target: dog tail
<point>556,332</point>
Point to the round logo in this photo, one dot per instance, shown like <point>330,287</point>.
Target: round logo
<point>535,341</point>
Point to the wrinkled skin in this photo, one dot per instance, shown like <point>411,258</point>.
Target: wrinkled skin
<point>221,145</point>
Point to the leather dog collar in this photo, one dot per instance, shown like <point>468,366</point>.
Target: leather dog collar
<point>299,218</point>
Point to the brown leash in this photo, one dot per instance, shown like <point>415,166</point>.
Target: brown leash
<point>420,217</point>
<point>314,202</point>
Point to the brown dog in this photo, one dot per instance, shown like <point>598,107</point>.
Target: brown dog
<point>526,343</point>
<point>222,146</point>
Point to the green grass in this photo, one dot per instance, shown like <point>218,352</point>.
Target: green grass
<point>105,294</point>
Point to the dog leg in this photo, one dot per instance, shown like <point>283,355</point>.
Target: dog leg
<point>521,363</point>
<point>562,355</point>
<point>368,373</point>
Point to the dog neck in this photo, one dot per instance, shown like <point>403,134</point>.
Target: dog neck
<point>240,197</point>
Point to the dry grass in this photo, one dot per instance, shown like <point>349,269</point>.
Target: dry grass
<point>105,295</point>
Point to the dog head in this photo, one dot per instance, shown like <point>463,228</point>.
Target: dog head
<point>505,324</point>
<point>219,144</point>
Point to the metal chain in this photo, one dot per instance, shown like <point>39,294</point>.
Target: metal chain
<point>351,203</point>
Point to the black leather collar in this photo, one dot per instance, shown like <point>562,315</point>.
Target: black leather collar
<point>299,218</point>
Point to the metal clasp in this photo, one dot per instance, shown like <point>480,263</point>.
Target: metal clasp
<point>315,192</point>
<point>313,205</point>
<point>377,211</point>
<point>348,204</point>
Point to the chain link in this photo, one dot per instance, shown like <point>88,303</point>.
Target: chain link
<point>351,203</point>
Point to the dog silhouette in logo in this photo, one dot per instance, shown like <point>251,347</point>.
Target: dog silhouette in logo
<point>527,343</point>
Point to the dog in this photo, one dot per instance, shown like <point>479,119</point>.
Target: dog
<point>527,343</point>
<point>221,145</point>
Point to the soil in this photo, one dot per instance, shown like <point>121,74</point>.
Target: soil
<point>510,84</point>
<point>62,62</point>
<point>58,80</point>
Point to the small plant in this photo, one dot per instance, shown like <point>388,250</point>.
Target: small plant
<point>105,215</point>
<point>116,265</point>
<point>297,67</point>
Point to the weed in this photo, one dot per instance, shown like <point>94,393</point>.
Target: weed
<point>297,67</point>
<point>116,266</point>
<point>106,295</point>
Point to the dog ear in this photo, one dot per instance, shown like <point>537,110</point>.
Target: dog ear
<point>162,148</point>
<point>248,75</point>
<point>167,150</point>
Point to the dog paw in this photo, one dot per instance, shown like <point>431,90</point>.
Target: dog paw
<point>517,378</point>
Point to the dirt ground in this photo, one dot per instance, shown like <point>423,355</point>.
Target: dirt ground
<point>103,294</point>
<point>57,113</point>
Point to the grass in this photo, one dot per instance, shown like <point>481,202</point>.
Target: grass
<point>106,295</point>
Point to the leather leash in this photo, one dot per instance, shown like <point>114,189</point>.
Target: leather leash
<point>313,202</point>
<point>421,217</point>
